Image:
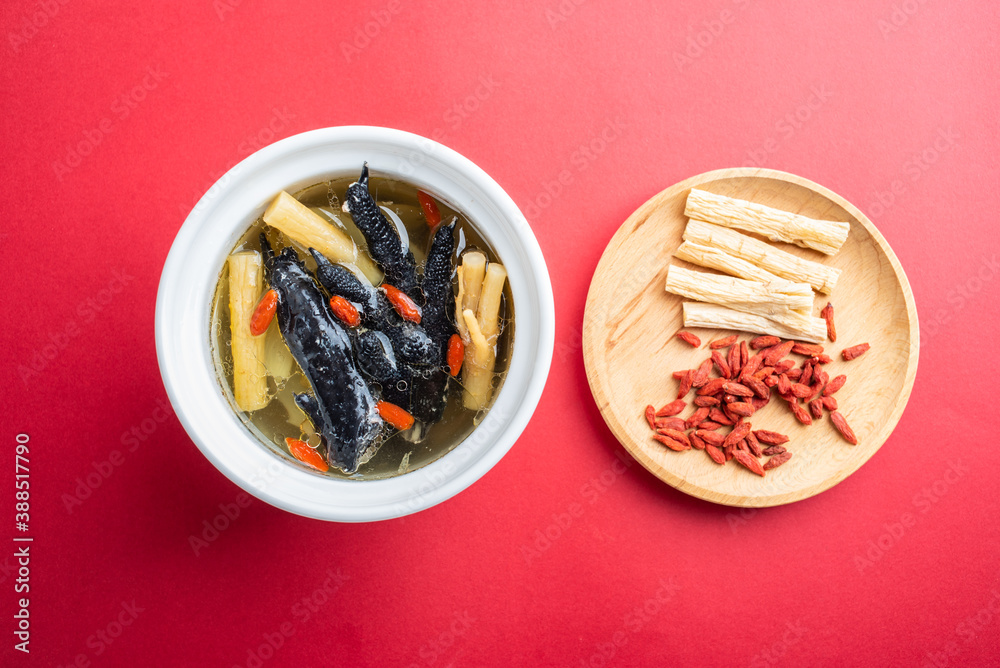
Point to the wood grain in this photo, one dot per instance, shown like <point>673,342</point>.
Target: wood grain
<point>630,350</point>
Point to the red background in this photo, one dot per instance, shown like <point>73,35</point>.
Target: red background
<point>896,565</point>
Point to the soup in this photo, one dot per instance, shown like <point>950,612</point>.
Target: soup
<point>361,328</point>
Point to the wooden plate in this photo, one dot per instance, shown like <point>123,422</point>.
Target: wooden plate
<point>630,350</point>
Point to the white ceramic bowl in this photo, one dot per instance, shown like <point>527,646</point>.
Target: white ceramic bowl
<point>183,306</point>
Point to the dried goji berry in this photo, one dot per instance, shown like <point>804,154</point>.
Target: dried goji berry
<point>696,417</point>
<point>676,446</point>
<point>801,391</point>
<point>715,453</point>
<point>716,415</point>
<point>670,423</point>
<point>737,389</point>
<point>800,413</point>
<point>673,408</point>
<point>263,313</point>
<point>701,375</point>
<point>845,430</point>
<point>405,307</point>
<point>430,208</point>
<point>685,385</point>
<point>757,387</point>
<point>398,417</point>
<point>807,373</point>
<point>733,360</point>
<point>697,443</point>
<point>305,454</point>
<point>456,354</point>
<point>738,433</point>
<point>651,417</point>
<point>855,352</point>
<point>748,461</point>
<point>689,338</point>
<point>712,386</point>
<point>772,437</point>
<point>710,437</point>
<point>347,314</point>
<point>675,434</point>
<point>742,408</point>
<point>783,366</point>
<point>775,353</point>
<point>722,343</point>
<point>827,314</point>
<point>750,367</point>
<point>834,385</point>
<point>777,460</point>
<point>807,349</point>
<point>764,342</point>
<point>720,362</point>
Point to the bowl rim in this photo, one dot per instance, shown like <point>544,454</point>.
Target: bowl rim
<point>294,160</point>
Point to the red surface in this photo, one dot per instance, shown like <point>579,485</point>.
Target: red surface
<point>895,566</point>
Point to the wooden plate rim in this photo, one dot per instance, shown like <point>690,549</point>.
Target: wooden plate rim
<point>603,402</point>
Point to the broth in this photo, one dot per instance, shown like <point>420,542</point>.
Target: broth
<point>401,451</point>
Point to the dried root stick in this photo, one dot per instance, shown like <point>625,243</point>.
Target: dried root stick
<point>713,258</point>
<point>767,257</point>
<point>782,301</point>
<point>246,283</point>
<point>477,372</point>
<point>719,317</point>
<point>826,236</point>
<point>474,269</point>
<point>480,297</point>
<point>307,228</point>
